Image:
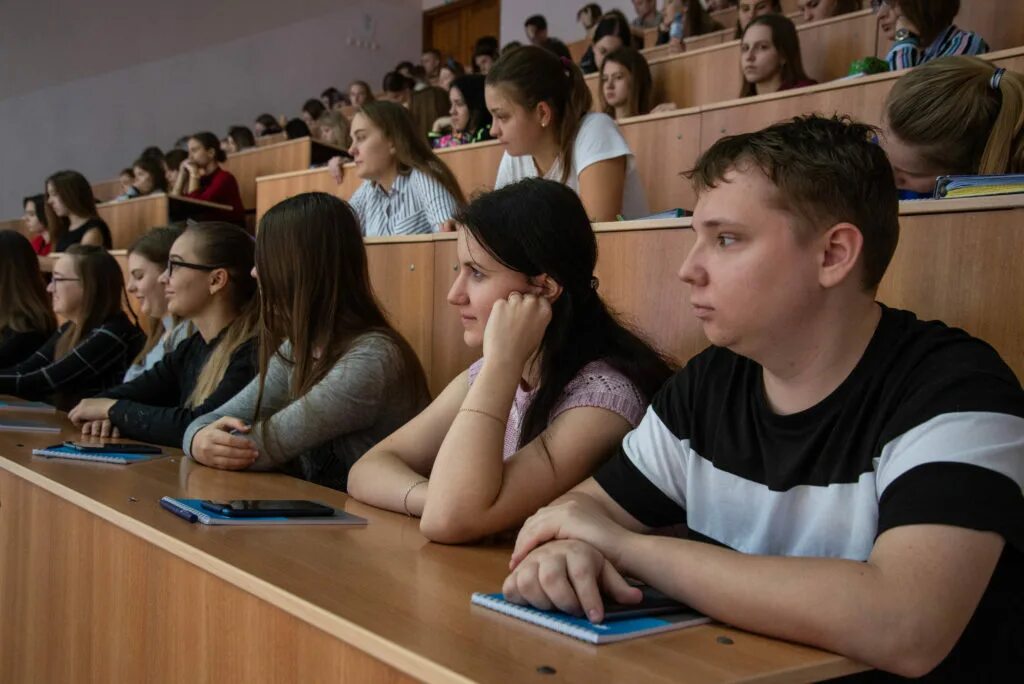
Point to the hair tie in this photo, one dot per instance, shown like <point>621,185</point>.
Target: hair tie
<point>567,66</point>
<point>997,78</point>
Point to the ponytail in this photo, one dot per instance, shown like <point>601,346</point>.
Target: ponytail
<point>530,75</point>
<point>966,115</point>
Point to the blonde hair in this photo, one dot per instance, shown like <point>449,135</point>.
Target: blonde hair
<point>339,124</point>
<point>230,248</point>
<point>966,115</point>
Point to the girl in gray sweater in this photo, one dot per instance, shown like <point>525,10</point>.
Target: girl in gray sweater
<point>335,378</point>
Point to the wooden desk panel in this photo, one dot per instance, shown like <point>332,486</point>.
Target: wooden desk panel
<point>131,593</point>
<point>829,46</point>
<point>104,191</point>
<point>17,225</point>
<point>129,219</point>
<point>402,275</point>
<point>475,166</point>
<point>663,148</point>
<point>272,189</point>
<point>248,165</point>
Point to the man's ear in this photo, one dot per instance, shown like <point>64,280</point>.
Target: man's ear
<point>841,249</point>
<point>545,286</point>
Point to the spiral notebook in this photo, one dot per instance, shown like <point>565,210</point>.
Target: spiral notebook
<point>192,510</point>
<point>614,628</point>
<point>61,451</point>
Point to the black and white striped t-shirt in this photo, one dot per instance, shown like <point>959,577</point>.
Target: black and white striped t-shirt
<point>416,203</point>
<point>927,429</point>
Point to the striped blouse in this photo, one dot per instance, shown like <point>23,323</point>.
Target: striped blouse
<point>416,203</point>
<point>950,43</point>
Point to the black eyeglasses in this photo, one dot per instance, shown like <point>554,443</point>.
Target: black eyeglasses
<point>174,263</point>
<point>57,280</point>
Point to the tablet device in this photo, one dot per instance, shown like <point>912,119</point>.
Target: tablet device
<point>268,508</point>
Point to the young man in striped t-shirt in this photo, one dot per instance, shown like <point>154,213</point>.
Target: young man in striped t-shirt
<point>851,476</point>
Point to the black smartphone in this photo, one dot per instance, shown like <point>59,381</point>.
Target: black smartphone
<point>267,508</point>
<point>653,603</point>
<point>109,448</point>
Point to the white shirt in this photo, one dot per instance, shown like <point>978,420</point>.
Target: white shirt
<point>416,203</point>
<point>598,139</point>
<point>172,337</point>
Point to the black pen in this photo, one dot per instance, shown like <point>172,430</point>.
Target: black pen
<point>168,504</point>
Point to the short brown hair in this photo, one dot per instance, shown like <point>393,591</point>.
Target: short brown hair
<point>827,171</point>
<point>931,17</point>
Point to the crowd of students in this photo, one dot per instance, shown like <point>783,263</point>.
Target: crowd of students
<point>837,464</point>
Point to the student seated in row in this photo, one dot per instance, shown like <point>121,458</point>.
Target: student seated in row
<point>611,33</point>
<point>266,124</point>
<point>359,93</point>
<point>208,283</point>
<point>148,176</point>
<point>334,376</point>
<point>406,189</point>
<point>748,10</point>
<point>92,350</point>
<point>35,224</point>
<point>485,55</point>
<point>956,115</point>
<point>560,382</point>
<point>147,260</point>
<point>626,86</point>
<point>207,180</point>
<point>770,57</point>
<point>172,165</point>
<point>431,62</point>
<point>71,213</point>
<point>26,319</point>
<point>468,118</point>
<point>450,71</point>
<point>684,19</point>
<point>924,30</point>
<point>312,109</point>
<point>850,475</point>
<point>239,138</point>
<point>816,10</point>
<point>542,113</point>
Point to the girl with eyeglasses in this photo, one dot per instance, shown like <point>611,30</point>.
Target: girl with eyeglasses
<point>92,349</point>
<point>209,282</point>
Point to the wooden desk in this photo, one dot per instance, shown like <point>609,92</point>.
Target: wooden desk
<point>128,219</point>
<point>291,155</point>
<point>105,191</point>
<point>96,578</point>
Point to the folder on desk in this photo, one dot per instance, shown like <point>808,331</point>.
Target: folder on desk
<point>120,458</point>
<point>9,425</point>
<point>29,406</point>
<point>193,511</point>
<point>611,630</point>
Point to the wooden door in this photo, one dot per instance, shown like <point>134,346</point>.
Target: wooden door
<point>454,28</point>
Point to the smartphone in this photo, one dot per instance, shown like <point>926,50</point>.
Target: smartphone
<point>110,448</point>
<point>654,603</point>
<point>267,508</point>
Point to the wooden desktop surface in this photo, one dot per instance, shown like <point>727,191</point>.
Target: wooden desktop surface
<point>95,577</point>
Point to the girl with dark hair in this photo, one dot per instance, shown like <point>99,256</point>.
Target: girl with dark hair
<point>626,85</point>
<point>770,57</point>
<point>485,55</point>
<point>172,165</point>
<point>35,224</point>
<point>297,128</point>
<point>611,33</point>
<point>470,120</point>
<point>71,212</point>
<point>684,19</point>
<point>147,259</point>
<point>332,98</point>
<point>206,180</point>
<point>94,348</point>
<point>312,109</point>
<point>334,376</point>
<point>748,10</point>
<point>239,138</point>
<point>406,189</point>
<point>266,124</point>
<point>148,176</point>
<point>924,31</point>
<point>816,10</point>
<point>26,320</point>
<point>560,383</point>
<point>541,108</point>
<point>208,282</point>
<point>360,93</point>
<point>449,71</point>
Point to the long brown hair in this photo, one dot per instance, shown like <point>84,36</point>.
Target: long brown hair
<point>316,293</point>
<point>698,20</point>
<point>230,248</point>
<point>75,193</point>
<point>411,148</point>
<point>530,75</point>
<point>787,43</point>
<point>154,246</point>
<point>103,293</point>
<point>931,17</point>
<point>776,7</point>
<point>950,109</point>
<point>643,86</point>
<point>24,304</point>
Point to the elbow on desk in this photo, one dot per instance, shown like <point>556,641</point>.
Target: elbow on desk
<point>449,526</point>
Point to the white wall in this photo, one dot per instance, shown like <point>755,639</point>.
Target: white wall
<point>133,74</point>
<point>561,16</point>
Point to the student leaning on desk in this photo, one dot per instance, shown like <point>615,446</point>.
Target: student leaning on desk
<point>851,476</point>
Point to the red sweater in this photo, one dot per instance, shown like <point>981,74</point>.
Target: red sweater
<point>41,246</point>
<point>222,188</point>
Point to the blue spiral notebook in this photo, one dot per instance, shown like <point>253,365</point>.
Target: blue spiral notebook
<point>61,451</point>
<point>192,510</point>
<point>612,629</point>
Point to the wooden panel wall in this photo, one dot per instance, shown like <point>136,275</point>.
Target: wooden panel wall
<point>248,165</point>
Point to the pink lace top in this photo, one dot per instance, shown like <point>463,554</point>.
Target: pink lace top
<point>597,384</point>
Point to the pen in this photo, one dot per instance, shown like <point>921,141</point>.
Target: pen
<point>177,510</point>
